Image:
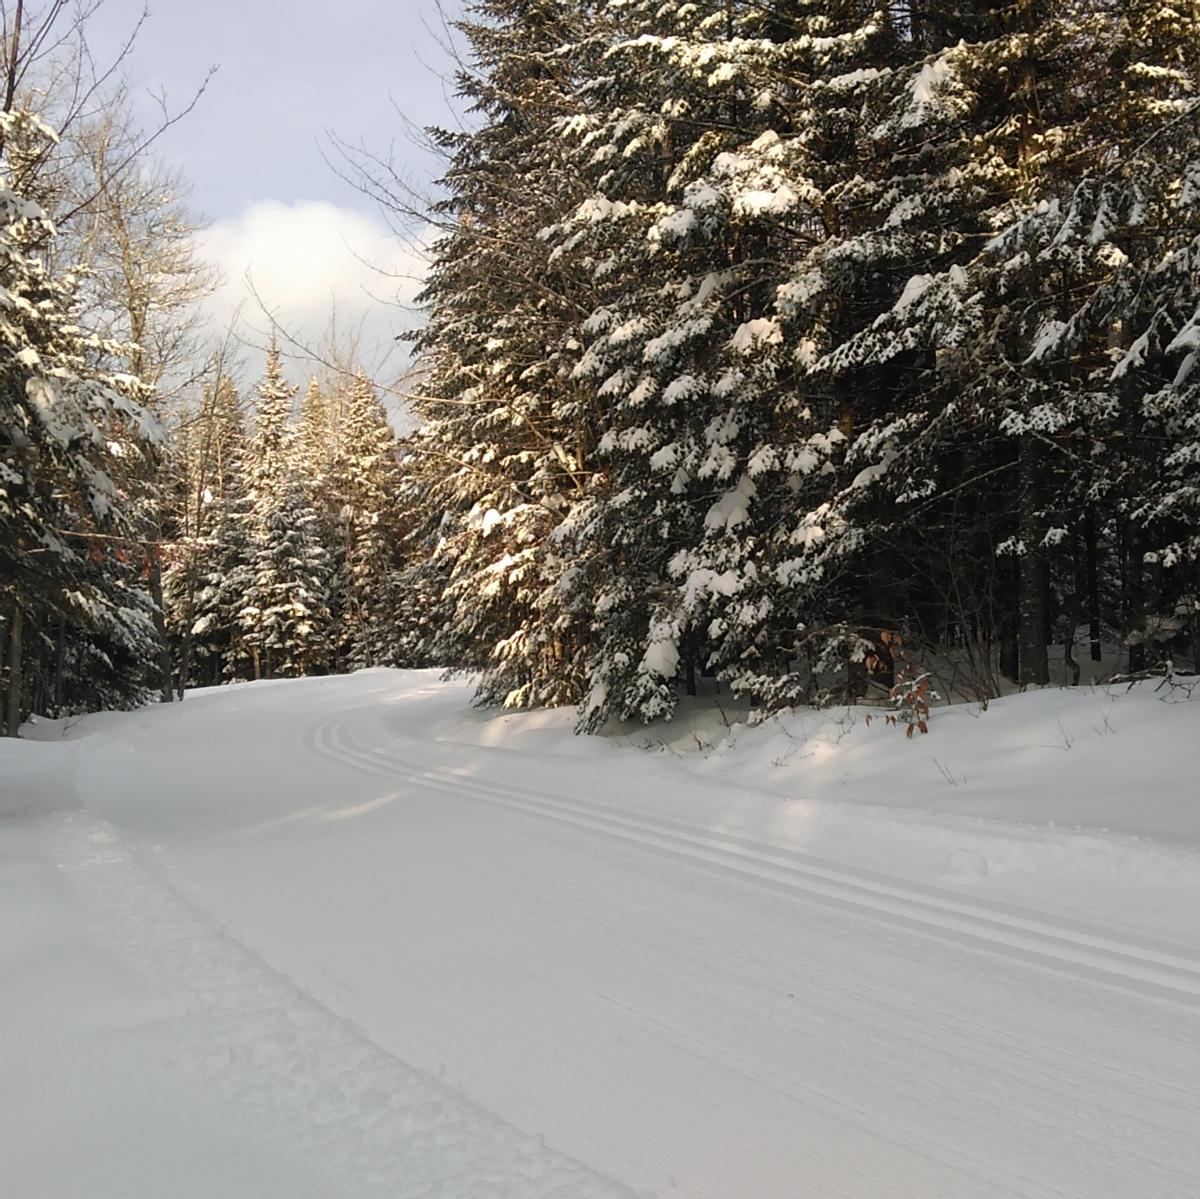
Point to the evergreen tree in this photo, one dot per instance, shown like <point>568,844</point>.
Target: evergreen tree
<point>72,431</point>
<point>208,578</point>
<point>1035,128</point>
<point>703,191</point>
<point>362,486</point>
<point>316,438</point>
<point>285,618</point>
<point>507,438</point>
<point>284,610</point>
<point>817,270</point>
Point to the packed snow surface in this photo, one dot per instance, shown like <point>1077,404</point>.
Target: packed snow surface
<point>350,937</point>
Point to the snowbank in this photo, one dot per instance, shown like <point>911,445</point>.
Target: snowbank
<point>35,777</point>
<point>1100,759</point>
<point>1070,796</point>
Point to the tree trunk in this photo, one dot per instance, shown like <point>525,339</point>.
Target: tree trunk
<point>1092,541</point>
<point>1008,573</point>
<point>1033,665</point>
<point>1134,597</point>
<point>185,664</point>
<point>166,683</point>
<point>185,652</point>
<point>37,676</point>
<point>14,673</point>
<point>60,663</point>
<point>1069,658</point>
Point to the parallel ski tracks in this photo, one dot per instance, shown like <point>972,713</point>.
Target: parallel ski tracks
<point>1158,972</point>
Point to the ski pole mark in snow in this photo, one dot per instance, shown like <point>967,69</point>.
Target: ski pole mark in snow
<point>297,1072</point>
<point>1159,973</point>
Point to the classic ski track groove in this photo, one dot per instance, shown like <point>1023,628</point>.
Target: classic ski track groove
<point>1013,1057</point>
<point>1147,972</point>
<point>853,1117</point>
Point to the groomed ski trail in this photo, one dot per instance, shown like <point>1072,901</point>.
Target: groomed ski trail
<point>595,946</point>
<point>1166,973</point>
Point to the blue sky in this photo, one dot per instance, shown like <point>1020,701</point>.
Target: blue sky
<point>289,73</point>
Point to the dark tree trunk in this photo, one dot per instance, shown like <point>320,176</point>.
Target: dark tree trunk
<point>185,651</point>
<point>1092,546</point>
<point>856,679</point>
<point>1005,602</point>
<point>1134,597</point>
<point>185,663</point>
<point>37,674</point>
<point>1034,667</point>
<point>14,673</point>
<point>60,663</point>
<point>1069,658</point>
<point>166,683</point>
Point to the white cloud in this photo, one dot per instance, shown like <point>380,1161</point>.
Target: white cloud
<point>302,258</point>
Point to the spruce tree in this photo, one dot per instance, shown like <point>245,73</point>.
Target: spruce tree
<point>363,486</point>
<point>1038,138</point>
<point>507,439</point>
<point>284,611</point>
<point>208,578</point>
<point>707,189</point>
<point>73,431</point>
<point>285,618</point>
<point>813,322</point>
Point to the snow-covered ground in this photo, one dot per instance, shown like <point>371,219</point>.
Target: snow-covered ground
<point>350,937</point>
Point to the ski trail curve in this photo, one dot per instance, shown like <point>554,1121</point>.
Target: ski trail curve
<point>1161,973</point>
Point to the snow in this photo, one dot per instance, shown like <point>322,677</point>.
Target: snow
<point>762,202</point>
<point>666,458</point>
<point>927,92</point>
<point>33,777</point>
<point>701,196</point>
<point>914,289</point>
<point>704,581</point>
<point>352,937</point>
<point>754,334</point>
<point>661,657</point>
<point>681,389</point>
<point>599,208</point>
<point>675,225</point>
<point>1048,337</point>
<point>850,79</point>
<point>733,508</point>
<point>925,85</point>
<point>177,1062</point>
<point>642,392</point>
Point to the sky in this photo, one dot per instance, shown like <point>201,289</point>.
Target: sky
<point>289,75</point>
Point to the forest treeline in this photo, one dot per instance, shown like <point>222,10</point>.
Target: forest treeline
<point>283,557</point>
<point>161,525</point>
<point>758,328</point>
<point>762,341</point>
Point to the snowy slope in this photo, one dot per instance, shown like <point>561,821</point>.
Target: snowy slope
<point>349,935</point>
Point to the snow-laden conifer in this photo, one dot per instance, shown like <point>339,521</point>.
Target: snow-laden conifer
<point>73,432</point>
